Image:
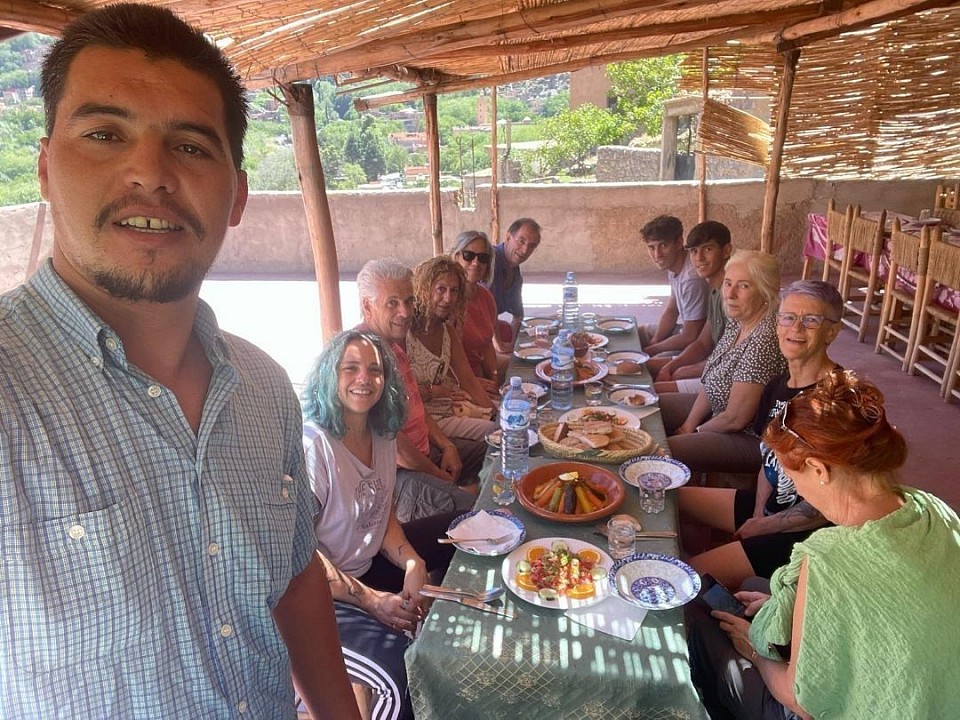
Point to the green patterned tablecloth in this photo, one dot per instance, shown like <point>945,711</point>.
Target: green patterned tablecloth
<point>540,664</point>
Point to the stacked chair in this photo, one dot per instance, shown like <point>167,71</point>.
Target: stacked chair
<point>860,287</point>
<point>948,196</point>
<point>948,215</point>
<point>900,313</point>
<point>936,349</point>
<point>838,228</point>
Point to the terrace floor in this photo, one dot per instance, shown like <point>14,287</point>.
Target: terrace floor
<point>283,317</point>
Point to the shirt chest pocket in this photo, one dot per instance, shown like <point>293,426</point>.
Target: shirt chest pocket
<point>79,587</point>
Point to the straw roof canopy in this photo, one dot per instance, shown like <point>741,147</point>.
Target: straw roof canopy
<point>449,45</point>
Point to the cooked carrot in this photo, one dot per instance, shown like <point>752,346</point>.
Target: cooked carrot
<point>545,488</point>
<point>585,500</point>
<point>547,495</point>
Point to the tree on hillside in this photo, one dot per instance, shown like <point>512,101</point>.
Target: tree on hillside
<point>573,135</point>
<point>372,148</point>
<point>641,87</point>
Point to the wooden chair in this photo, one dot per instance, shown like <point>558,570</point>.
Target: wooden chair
<point>900,314</point>
<point>935,347</point>
<point>948,196</point>
<point>838,227</point>
<point>949,216</point>
<point>860,287</point>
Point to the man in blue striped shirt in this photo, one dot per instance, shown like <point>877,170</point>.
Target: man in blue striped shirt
<point>157,556</point>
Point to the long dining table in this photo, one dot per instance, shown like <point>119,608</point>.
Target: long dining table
<point>542,664</point>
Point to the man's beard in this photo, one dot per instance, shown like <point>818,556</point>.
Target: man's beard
<point>151,286</point>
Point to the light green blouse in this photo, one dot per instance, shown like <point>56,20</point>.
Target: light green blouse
<point>881,633</point>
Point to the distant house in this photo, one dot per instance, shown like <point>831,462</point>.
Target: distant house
<point>411,141</point>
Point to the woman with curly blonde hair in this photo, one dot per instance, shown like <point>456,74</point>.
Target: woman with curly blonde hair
<point>447,382</point>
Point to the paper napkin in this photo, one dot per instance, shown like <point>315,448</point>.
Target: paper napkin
<point>483,524</point>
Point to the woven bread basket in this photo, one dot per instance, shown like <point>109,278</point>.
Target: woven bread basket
<point>637,442</point>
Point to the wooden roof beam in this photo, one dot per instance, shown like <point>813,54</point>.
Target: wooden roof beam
<point>409,47</point>
<point>27,16</point>
<point>375,101</point>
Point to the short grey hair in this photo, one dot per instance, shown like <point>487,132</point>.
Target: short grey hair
<point>376,271</point>
<point>467,237</point>
<point>823,292</point>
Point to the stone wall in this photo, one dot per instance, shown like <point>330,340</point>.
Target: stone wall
<point>619,163</point>
<point>592,228</point>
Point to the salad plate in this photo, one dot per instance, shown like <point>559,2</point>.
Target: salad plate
<point>610,414</point>
<point>488,522</point>
<point>524,587</point>
<point>654,581</point>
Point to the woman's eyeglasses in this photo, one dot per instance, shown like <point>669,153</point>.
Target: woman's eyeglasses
<point>786,428</point>
<point>470,256</point>
<point>810,322</point>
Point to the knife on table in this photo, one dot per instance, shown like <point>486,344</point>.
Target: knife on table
<point>470,602</point>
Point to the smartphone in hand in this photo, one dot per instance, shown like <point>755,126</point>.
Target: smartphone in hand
<point>719,598</point>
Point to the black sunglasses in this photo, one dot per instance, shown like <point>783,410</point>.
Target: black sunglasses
<point>470,255</point>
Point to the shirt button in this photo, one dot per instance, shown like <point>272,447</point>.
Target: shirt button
<point>111,344</point>
<point>154,391</point>
<point>226,630</point>
<point>76,532</point>
<point>284,493</point>
<point>213,549</point>
<point>242,706</point>
<point>97,362</point>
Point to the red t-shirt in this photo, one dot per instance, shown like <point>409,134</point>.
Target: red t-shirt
<point>478,324</point>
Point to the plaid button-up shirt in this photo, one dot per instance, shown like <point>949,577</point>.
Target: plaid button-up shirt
<point>139,561</point>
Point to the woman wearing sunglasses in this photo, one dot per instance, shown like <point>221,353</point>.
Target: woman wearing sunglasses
<point>473,252</point>
<point>768,521</point>
<point>861,622</point>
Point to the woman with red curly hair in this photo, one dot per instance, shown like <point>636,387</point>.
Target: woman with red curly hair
<point>860,622</point>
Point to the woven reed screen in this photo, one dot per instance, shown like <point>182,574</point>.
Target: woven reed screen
<point>882,102</point>
<point>732,133</point>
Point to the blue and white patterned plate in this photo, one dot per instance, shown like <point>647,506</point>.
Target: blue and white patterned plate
<point>519,534</point>
<point>654,581</point>
<point>633,468</point>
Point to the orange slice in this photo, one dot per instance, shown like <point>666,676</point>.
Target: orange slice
<point>535,553</point>
<point>590,556</point>
<point>524,582</point>
<point>579,592</point>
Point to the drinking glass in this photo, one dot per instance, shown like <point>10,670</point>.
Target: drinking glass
<point>652,487</point>
<point>504,489</point>
<point>593,393</point>
<point>589,321</point>
<point>541,336</point>
<point>621,537</point>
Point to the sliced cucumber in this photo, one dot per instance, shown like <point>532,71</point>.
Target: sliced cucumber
<point>524,567</point>
<point>598,573</point>
<point>548,594</point>
<point>558,546</point>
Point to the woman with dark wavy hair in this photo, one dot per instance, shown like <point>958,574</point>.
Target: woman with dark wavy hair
<point>354,405</point>
<point>860,623</point>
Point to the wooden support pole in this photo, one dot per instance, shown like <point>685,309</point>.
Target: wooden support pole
<point>702,168</point>
<point>306,153</point>
<point>495,170</point>
<point>433,160</point>
<point>772,179</point>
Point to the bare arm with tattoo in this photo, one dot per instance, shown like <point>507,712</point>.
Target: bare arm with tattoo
<point>799,517</point>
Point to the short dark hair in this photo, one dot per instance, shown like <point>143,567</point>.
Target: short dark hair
<point>161,35</point>
<point>707,231</point>
<point>663,228</point>
<point>520,222</point>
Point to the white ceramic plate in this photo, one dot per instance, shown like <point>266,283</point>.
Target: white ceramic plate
<point>508,571</point>
<point>620,418</point>
<point>507,520</point>
<point>654,581</point>
<point>532,389</point>
<point>601,373</point>
<point>551,323</point>
<point>633,468</point>
<point>623,397</point>
<point>532,353</point>
<point>597,340</point>
<point>634,355</point>
<point>494,438</point>
<point>615,325</point>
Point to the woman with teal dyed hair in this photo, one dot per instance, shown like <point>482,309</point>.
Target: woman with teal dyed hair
<point>354,405</point>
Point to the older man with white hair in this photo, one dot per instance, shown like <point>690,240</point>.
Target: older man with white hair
<point>433,469</point>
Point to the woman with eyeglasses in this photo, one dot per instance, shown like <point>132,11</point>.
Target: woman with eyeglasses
<point>861,622</point>
<point>768,521</point>
<point>474,253</point>
<point>711,430</point>
<point>354,405</point>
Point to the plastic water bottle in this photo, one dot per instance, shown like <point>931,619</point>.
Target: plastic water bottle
<point>515,443</point>
<point>571,303</point>
<point>561,376</point>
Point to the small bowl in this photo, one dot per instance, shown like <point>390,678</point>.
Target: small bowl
<point>678,473</point>
<point>531,389</point>
<point>597,475</point>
